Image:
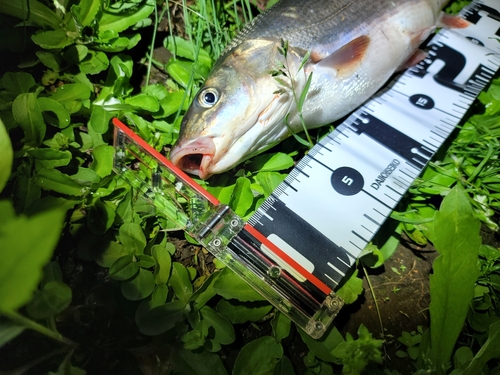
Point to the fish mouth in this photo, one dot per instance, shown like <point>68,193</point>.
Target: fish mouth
<point>194,156</point>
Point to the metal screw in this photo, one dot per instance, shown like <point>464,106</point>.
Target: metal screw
<point>234,223</point>
<point>319,326</point>
<point>216,242</point>
<point>274,272</point>
<point>335,303</point>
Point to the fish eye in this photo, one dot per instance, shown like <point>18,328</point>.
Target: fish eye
<point>208,97</point>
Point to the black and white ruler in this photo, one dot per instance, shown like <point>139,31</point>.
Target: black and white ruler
<point>301,242</point>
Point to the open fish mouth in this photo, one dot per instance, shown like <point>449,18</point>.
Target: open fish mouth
<point>194,156</point>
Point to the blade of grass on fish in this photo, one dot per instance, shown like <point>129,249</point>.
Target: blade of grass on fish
<point>284,70</point>
<point>304,61</point>
<point>297,137</point>
<point>299,106</point>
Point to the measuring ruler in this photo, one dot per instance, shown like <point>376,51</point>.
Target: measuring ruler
<point>302,241</point>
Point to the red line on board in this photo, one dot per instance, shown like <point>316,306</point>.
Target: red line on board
<point>163,160</point>
<point>284,256</point>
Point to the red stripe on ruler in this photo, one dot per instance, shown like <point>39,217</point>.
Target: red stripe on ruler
<point>163,160</point>
<point>285,257</point>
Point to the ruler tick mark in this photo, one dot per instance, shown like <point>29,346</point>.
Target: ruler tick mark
<point>375,198</point>
<point>367,229</point>
<point>342,260</point>
<point>336,269</point>
<point>352,243</point>
<point>331,279</point>
<point>394,190</point>
<point>391,198</point>
<point>360,236</point>
<point>372,220</point>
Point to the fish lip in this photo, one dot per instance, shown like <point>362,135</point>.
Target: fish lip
<point>194,156</point>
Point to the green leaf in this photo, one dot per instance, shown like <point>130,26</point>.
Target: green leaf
<point>54,113</point>
<point>145,261</point>
<point>7,156</point>
<point>115,45</point>
<point>230,285</point>
<point>50,60</point>
<point>323,347</point>
<point>124,268</point>
<point>258,357</point>
<point>105,258</point>
<point>53,299</point>
<point>123,20</point>
<point>269,181</point>
<point>223,331</point>
<point>74,54</point>
<point>205,292</point>
<point>188,362</point>
<point>26,192</point>
<point>180,282</point>
<point>99,119</point>
<point>357,354</point>
<point>271,162</point>
<point>9,331</point>
<point>242,198</point>
<point>455,272</point>
<point>86,11</point>
<point>50,158</point>
<point>28,115</point>
<point>140,286</point>
<point>18,83</point>
<point>100,217</point>
<point>171,103</point>
<point>194,339</point>
<point>94,63</point>
<point>222,187</point>
<point>163,264</point>
<point>241,312</point>
<point>103,160</point>
<point>117,81</point>
<point>488,351</point>
<point>144,101</point>
<point>284,367</point>
<point>33,11</point>
<point>132,237</point>
<point>71,95</point>
<point>24,256</point>
<point>162,318</point>
<point>184,48</point>
<point>180,71</point>
<point>352,289</point>
<point>52,39</point>
<point>52,179</point>
<point>86,176</point>
<point>281,326</point>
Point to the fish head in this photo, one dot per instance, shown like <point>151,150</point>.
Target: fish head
<point>231,116</point>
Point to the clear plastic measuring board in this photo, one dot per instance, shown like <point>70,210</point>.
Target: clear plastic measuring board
<point>298,246</point>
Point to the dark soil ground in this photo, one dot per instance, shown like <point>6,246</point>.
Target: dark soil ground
<point>102,322</point>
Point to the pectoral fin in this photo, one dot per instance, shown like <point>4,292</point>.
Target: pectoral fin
<point>414,59</point>
<point>347,58</point>
<point>452,22</point>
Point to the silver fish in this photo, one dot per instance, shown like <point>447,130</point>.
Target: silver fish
<point>354,46</point>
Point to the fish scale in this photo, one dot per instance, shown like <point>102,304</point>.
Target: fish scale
<point>305,28</point>
<point>303,241</point>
